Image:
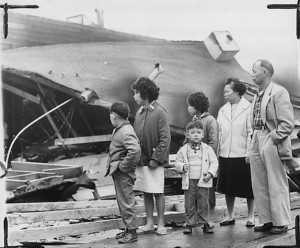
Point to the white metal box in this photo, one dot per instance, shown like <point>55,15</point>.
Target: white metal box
<point>221,45</point>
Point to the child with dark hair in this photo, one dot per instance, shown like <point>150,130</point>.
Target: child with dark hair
<point>124,154</point>
<point>198,164</point>
<point>152,128</point>
<point>198,105</point>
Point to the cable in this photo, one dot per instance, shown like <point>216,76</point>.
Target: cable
<point>31,123</point>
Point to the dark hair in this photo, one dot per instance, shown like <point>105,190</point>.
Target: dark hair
<point>267,65</point>
<point>120,108</point>
<point>199,101</point>
<point>147,88</point>
<point>237,85</point>
<point>193,124</point>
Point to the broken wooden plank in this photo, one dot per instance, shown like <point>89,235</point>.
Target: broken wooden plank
<point>88,227</point>
<point>35,185</point>
<point>50,119</point>
<point>11,172</point>
<point>68,171</point>
<point>59,215</point>
<point>21,93</point>
<point>83,140</point>
<point>51,206</point>
<point>31,176</point>
<point>13,182</point>
<point>54,206</point>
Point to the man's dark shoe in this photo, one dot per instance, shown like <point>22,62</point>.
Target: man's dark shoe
<point>207,229</point>
<point>264,228</point>
<point>121,235</point>
<point>187,230</point>
<point>130,236</point>
<point>279,229</point>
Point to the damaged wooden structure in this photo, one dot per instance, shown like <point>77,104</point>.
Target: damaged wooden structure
<point>26,180</point>
<point>30,222</point>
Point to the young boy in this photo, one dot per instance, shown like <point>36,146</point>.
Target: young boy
<point>124,154</point>
<point>198,105</point>
<point>199,164</point>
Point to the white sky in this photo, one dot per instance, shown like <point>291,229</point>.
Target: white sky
<point>257,30</point>
<point>170,19</point>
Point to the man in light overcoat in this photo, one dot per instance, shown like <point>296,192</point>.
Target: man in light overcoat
<point>272,121</point>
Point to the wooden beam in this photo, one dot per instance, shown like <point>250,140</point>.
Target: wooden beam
<point>82,140</point>
<point>68,171</point>
<point>71,172</point>
<point>35,185</point>
<point>71,214</point>
<point>100,103</point>
<point>11,172</point>
<point>69,205</point>
<point>54,206</point>
<point>52,123</point>
<point>62,115</point>
<point>13,182</point>
<point>30,176</point>
<point>21,93</point>
<point>81,228</point>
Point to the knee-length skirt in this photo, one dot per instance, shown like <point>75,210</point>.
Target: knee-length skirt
<point>150,180</point>
<point>234,178</point>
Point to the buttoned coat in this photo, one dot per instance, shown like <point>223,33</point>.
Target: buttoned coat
<point>124,150</point>
<point>153,130</point>
<point>235,132</point>
<point>209,164</point>
<point>277,115</point>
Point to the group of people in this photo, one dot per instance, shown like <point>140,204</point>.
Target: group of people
<point>241,153</point>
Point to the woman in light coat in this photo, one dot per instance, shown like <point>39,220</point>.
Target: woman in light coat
<point>234,178</point>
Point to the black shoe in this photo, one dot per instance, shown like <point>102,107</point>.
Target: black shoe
<point>227,222</point>
<point>121,235</point>
<point>264,228</point>
<point>187,230</point>
<point>130,236</point>
<point>278,229</point>
<point>207,229</point>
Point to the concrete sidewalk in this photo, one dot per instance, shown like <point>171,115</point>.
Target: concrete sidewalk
<point>238,236</point>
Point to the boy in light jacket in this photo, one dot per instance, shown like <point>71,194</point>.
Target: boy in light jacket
<point>198,164</point>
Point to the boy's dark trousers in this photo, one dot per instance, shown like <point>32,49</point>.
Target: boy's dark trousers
<point>125,197</point>
<point>196,204</point>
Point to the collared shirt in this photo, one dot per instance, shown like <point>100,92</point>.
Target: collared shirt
<point>195,162</point>
<point>197,118</point>
<point>151,107</point>
<point>257,121</point>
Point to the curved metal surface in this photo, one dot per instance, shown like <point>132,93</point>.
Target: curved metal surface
<point>110,68</point>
